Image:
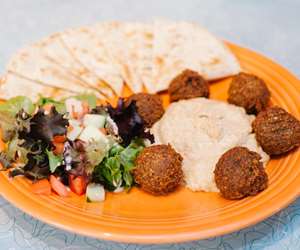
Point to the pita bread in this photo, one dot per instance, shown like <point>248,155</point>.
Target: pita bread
<point>90,52</point>
<point>31,64</point>
<point>139,39</point>
<point>182,45</point>
<point>116,38</point>
<point>145,58</point>
<point>55,51</point>
<point>100,58</point>
<point>53,48</point>
<point>13,85</point>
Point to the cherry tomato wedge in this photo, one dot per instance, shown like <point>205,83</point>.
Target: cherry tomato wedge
<point>58,186</point>
<point>77,184</point>
<point>59,138</point>
<point>59,148</point>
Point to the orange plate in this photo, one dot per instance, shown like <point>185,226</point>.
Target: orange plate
<point>137,217</point>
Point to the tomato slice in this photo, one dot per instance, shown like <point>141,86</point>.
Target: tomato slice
<point>77,184</point>
<point>59,148</point>
<point>58,186</point>
<point>59,138</point>
<point>41,187</point>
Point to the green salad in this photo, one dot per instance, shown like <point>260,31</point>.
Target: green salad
<point>72,144</point>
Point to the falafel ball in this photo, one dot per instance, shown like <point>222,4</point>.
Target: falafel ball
<point>240,173</point>
<point>158,170</point>
<point>189,84</point>
<point>276,131</point>
<point>149,107</point>
<point>249,92</point>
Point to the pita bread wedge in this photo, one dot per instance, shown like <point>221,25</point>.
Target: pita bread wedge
<point>55,51</point>
<point>145,58</point>
<point>13,85</point>
<point>52,47</point>
<point>100,58</point>
<point>182,45</point>
<point>139,38</point>
<point>31,64</point>
<point>88,49</point>
<point>116,38</point>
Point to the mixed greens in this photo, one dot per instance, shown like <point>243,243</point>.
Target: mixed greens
<point>114,170</point>
<point>72,143</point>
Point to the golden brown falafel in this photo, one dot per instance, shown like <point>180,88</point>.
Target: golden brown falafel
<point>158,170</point>
<point>250,92</point>
<point>189,84</point>
<point>149,107</point>
<point>276,131</point>
<point>240,173</point>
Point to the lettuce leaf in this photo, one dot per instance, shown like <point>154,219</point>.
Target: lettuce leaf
<point>54,160</point>
<point>130,124</point>
<point>15,104</point>
<point>115,169</point>
<point>15,151</point>
<point>37,166</point>
<point>5,161</point>
<point>91,99</point>
<point>59,105</point>
<point>8,112</point>
<point>45,126</point>
<point>97,150</point>
<point>129,154</point>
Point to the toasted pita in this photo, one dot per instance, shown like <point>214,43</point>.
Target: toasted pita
<point>139,38</point>
<point>99,58</point>
<point>116,38</point>
<point>55,51</point>
<point>53,48</point>
<point>181,45</point>
<point>13,85</point>
<point>31,64</point>
<point>145,58</point>
<point>90,52</point>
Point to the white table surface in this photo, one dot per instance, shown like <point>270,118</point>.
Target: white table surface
<point>271,27</point>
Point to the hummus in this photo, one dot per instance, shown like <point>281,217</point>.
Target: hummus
<point>201,130</point>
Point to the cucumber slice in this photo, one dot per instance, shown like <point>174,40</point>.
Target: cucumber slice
<point>91,133</point>
<point>97,121</point>
<point>74,133</point>
<point>95,192</point>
